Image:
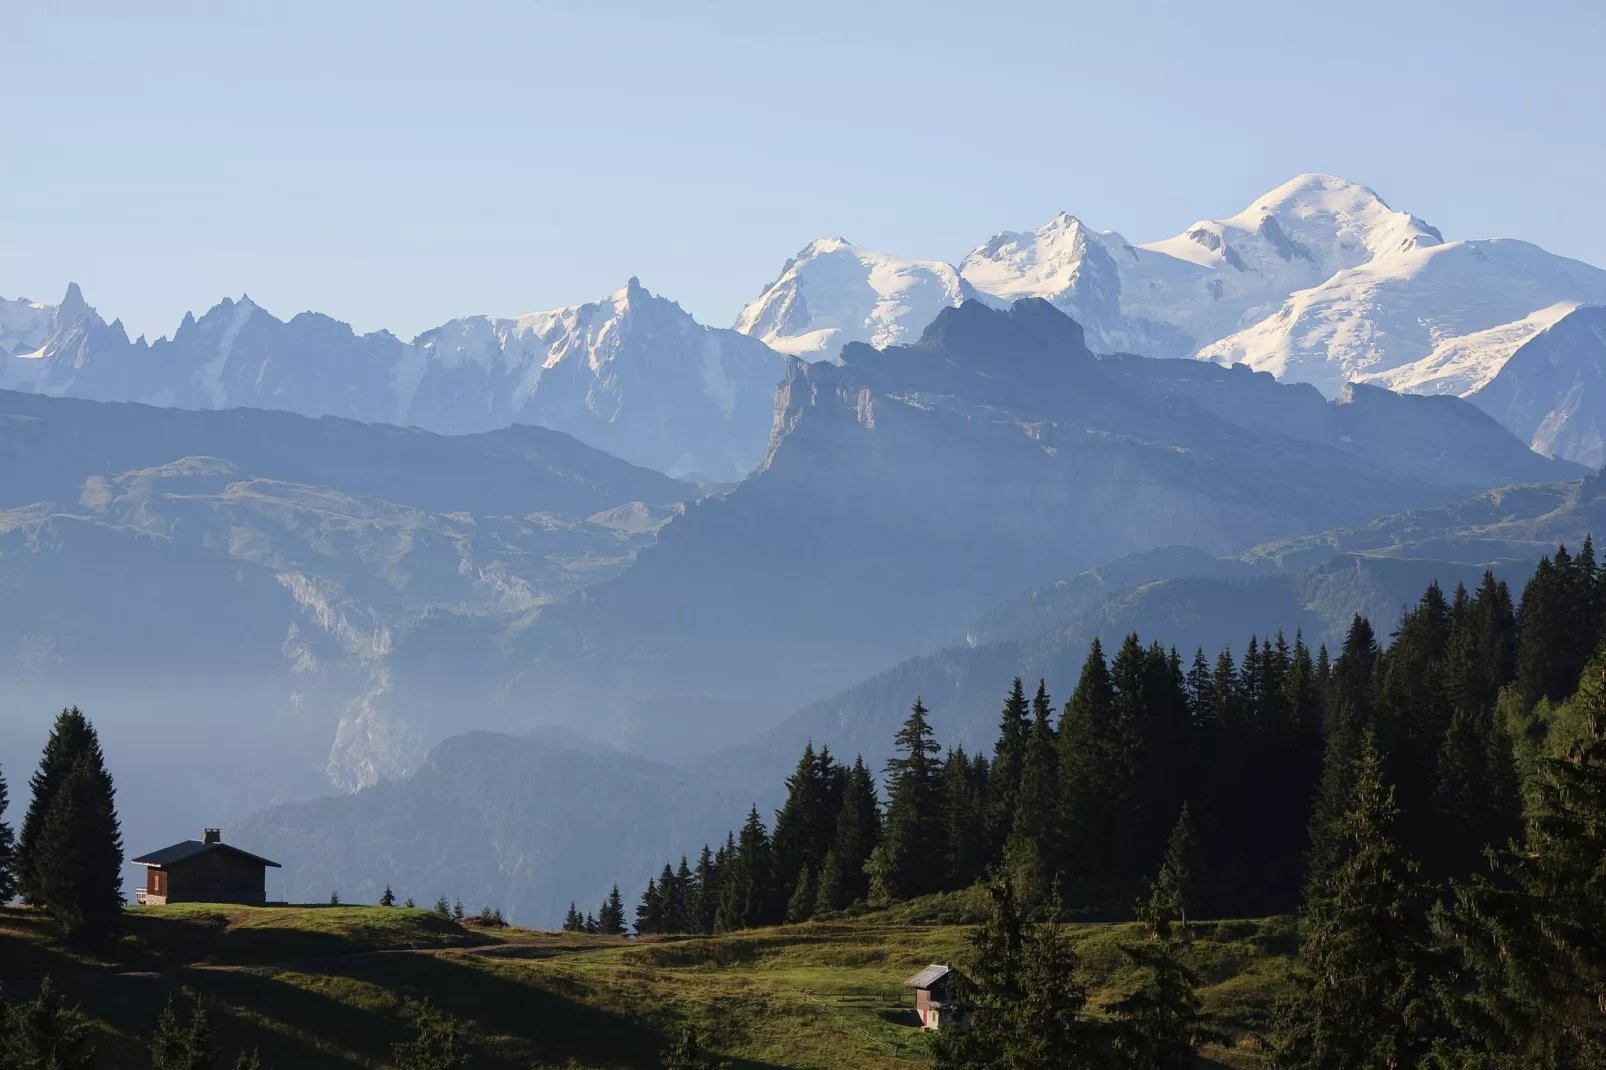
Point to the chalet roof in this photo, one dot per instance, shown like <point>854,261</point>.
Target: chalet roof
<point>180,852</point>
<point>928,976</point>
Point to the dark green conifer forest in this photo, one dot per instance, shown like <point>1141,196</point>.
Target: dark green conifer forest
<point>1430,802</point>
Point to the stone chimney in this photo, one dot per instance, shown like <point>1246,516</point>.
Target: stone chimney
<point>211,835</point>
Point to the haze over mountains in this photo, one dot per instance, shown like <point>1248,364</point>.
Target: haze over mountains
<point>944,475</point>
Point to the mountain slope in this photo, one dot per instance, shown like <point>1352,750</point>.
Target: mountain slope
<point>1551,392</point>
<point>228,593</point>
<point>906,487</point>
<point>632,374</point>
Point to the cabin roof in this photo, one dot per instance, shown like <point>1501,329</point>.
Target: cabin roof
<point>180,852</point>
<point>928,976</point>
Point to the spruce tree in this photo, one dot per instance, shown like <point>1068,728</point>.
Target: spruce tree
<point>48,1034</point>
<point>388,899</point>
<point>858,831</point>
<point>748,895</point>
<point>829,896</point>
<point>703,904</point>
<point>77,859</point>
<point>683,903</point>
<point>1367,965</point>
<point>611,915</point>
<point>1099,778</point>
<point>912,839</point>
<point>802,825</point>
<point>8,879</point>
<point>71,737</point>
<point>183,1045</point>
<point>1004,775</point>
<point>964,818</point>
<point>573,922</point>
<point>1027,998</point>
<point>1033,851</point>
<point>800,907</point>
<point>1174,889</point>
<point>650,911</point>
<point>1534,935</point>
<point>1162,1024</point>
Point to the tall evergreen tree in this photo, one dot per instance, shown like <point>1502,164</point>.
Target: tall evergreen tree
<point>77,859</point>
<point>1162,1024</point>
<point>1534,936</point>
<point>858,831</point>
<point>683,906</point>
<point>1174,890</point>
<point>805,825</point>
<point>650,911</point>
<point>611,915</point>
<point>1367,963</point>
<point>1004,776</point>
<point>1033,852</point>
<point>71,737</point>
<point>573,922</point>
<point>8,879</point>
<point>748,897</point>
<point>963,786</point>
<point>911,862</point>
<point>1028,999</point>
<point>703,906</point>
<point>1099,774</point>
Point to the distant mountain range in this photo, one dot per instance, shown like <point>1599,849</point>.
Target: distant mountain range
<point>631,374</point>
<point>1317,281</point>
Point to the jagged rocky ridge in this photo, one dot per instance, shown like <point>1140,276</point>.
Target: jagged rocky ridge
<point>631,374</point>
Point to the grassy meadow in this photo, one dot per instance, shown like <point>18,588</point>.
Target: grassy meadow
<point>330,987</point>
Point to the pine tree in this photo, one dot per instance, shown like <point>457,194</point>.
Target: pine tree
<point>803,824</point>
<point>590,926</point>
<point>1004,776</point>
<point>388,899</point>
<point>573,922</point>
<point>47,1034</point>
<point>703,906</point>
<point>858,831</point>
<point>650,911</point>
<point>829,896</point>
<point>443,908</point>
<point>964,818</point>
<point>611,915</point>
<point>8,879</point>
<point>1161,1025</point>
<point>800,907</point>
<point>437,1046</point>
<point>77,859</point>
<point>747,898</point>
<point>1027,999</point>
<point>1534,936</point>
<point>71,737</point>
<point>682,903</point>
<point>1367,962</point>
<point>1099,777</point>
<point>181,1045</point>
<point>1173,890</point>
<point>912,838</point>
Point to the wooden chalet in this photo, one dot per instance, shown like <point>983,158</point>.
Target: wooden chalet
<point>206,870</point>
<point>937,1000</point>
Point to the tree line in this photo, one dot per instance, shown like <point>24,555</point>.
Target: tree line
<point>1431,809</point>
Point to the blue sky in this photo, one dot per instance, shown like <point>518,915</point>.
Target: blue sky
<point>399,163</point>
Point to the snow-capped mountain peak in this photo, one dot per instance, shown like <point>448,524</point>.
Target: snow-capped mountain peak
<point>832,293</point>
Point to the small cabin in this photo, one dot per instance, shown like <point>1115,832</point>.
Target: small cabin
<point>206,870</point>
<point>937,999</point>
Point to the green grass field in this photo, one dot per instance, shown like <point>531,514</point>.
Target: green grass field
<point>316,987</point>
